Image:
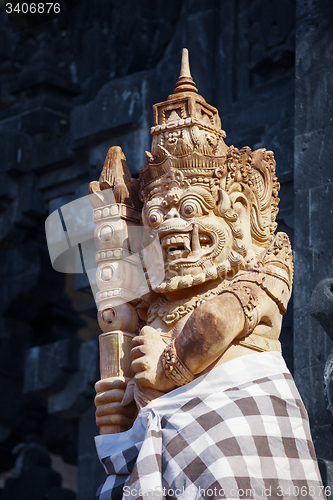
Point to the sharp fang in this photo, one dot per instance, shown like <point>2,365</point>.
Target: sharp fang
<point>196,248</point>
<point>187,245</point>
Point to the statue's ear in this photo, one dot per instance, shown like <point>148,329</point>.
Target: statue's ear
<point>253,175</point>
<point>223,201</point>
<point>265,185</point>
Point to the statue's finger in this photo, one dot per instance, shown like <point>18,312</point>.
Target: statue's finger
<point>139,340</point>
<point>118,419</point>
<point>139,365</point>
<point>110,383</point>
<point>114,409</point>
<point>113,396</point>
<point>148,331</point>
<point>138,352</point>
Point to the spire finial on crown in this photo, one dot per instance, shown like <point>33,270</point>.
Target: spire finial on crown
<point>185,81</point>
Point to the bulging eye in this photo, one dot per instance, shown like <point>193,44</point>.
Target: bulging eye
<point>155,217</point>
<point>191,208</point>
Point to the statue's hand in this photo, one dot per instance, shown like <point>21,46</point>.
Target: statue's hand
<point>147,361</point>
<point>112,409</point>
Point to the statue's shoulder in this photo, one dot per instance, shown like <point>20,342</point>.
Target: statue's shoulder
<point>272,271</point>
<point>279,255</point>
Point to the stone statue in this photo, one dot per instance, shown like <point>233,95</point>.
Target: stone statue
<point>214,403</point>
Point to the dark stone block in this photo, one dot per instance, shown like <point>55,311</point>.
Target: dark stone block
<point>285,215</point>
<point>286,339</point>
<point>302,342</point>
<point>314,101</point>
<point>48,367</point>
<point>33,484</point>
<point>60,494</point>
<point>202,58</point>
<point>61,437</point>
<point>76,396</point>
<point>322,264</point>
<point>303,383</point>
<point>269,111</point>
<point>44,155</point>
<point>20,269</point>
<point>322,439</point>
<point>271,40</point>
<point>310,382</point>
<point>311,344</point>
<point>321,217</point>
<point>280,138</point>
<point>314,38</point>
<point>33,478</point>
<point>303,277</point>
<point>91,472</point>
<point>320,348</point>
<point>14,146</point>
<point>313,152</point>
<point>50,177</point>
<point>320,416</point>
<point>134,144</point>
<point>305,9</point>
<point>326,472</point>
<point>38,121</point>
<point>301,213</point>
<point>14,340</point>
<point>11,406</point>
<point>19,212</point>
<point>32,288</point>
<point>118,105</point>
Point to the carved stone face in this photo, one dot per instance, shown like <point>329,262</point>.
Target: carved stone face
<point>193,238</point>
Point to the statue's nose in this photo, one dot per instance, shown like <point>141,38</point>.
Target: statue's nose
<point>172,213</point>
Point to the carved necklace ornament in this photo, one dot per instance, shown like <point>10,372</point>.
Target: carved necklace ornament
<point>171,313</point>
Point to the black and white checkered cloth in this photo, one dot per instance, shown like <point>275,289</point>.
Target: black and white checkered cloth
<point>240,431</point>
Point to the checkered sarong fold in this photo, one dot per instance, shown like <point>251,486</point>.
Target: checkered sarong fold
<point>240,431</point>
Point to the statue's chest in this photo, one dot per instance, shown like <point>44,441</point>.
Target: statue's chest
<point>169,317</point>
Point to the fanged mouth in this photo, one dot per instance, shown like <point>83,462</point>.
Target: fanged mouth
<point>189,246</point>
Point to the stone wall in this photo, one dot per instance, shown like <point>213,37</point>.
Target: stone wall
<point>313,205</point>
<point>69,90</point>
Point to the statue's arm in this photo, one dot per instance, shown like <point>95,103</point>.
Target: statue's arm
<point>209,331</point>
<point>206,336</point>
<point>242,309</point>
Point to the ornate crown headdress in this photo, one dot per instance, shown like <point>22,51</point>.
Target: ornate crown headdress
<point>188,141</point>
